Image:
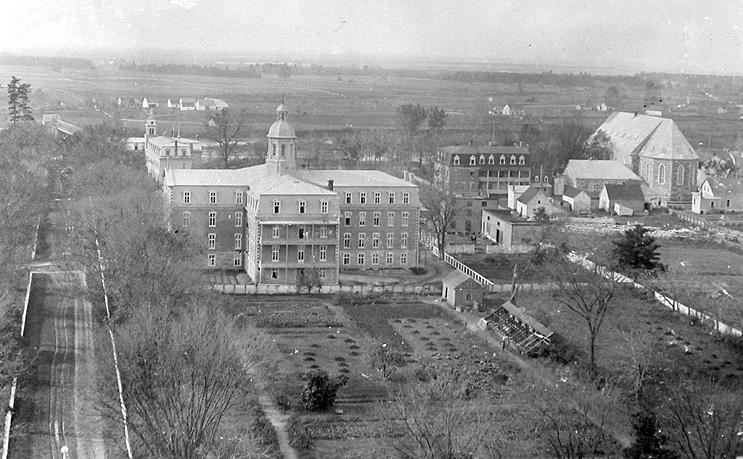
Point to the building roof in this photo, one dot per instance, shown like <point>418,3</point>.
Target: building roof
<point>282,129</point>
<point>485,150</point>
<point>599,169</point>
<point>350,178</point>
<point>163,141</point>
<point>288,185</point>
<point>214,177</point>
<point>521,315</point>
<point>629,192</point>
<point>633,134</point>
<point>571,192</point>
<point>529,194</point>
<point>725,186</point>
<point>508,216</point>
<point>455,279</point>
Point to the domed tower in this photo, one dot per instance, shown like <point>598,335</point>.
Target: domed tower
<point>282,155</point>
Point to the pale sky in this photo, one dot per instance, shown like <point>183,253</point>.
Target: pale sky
<point>694,36</point>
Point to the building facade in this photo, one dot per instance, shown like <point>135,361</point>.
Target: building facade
<point>163,153</point>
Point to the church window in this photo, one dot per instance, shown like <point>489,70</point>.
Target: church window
<point>648,174</point>
<point>680,176</point>
<point>662,174</point>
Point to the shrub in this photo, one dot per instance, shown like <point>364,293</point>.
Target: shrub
<point>297,433</point>
<point>559,350</point>
<point>320,389</point>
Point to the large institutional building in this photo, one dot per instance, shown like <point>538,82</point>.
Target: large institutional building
<point>655,149</point>
<point>280,224</point>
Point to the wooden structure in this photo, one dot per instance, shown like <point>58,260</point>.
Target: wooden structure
<point>525,332</point>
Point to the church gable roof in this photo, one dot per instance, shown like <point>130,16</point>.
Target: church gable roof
<point>668,142</point>
<point>597,169</point>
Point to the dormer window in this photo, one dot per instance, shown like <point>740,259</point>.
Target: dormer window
<point>522,160</point>
<point>482,159</point>
<point>491,159</point>
<point>502,159</point>
<point>513,159</point>
<point>473,161</point>
<point>456,160</point>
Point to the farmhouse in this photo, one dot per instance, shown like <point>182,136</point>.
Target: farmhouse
<point>297,224</point>
<point>718,195</point>
<point>625,200</point>
<point>460,290</point>
<point>655,149</point>
<point>508,229</point>
<point>187,103</point>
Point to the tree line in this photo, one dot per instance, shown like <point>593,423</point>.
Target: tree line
<point>56,63</point>
<point>249,71</point>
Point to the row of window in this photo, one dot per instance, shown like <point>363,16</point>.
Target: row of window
<point>301,207</point>
<point>211,259</point>
<point>322,253</point>
<point>212,241</point>
<point>391,197</point>
<point>212,197</point>
<point>491,160</point>
<point>376,218</point>
<point>361,244</point>
<point>374,258</point>
<point>321,273</point>
<point>302,233</point>
<point>680,175</point>
<point>212,219</point>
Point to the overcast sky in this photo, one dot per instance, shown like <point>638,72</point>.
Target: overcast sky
<point>695,36</point>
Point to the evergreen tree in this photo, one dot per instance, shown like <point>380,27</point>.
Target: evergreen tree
<point>24,89</point>
<point>649,442</point>
<point>637,250</point>
<point>13,102</point>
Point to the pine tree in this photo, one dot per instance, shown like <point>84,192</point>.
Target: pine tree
<point>13,102</point>
<point>24,89</point>
<point>637,250</point>
<point>649,443</point>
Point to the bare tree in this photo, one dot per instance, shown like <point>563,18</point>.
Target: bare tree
<point>181,374</point>
<point>225,126</point>
<point>443,209</point>
<point>704,421</point>
<point>587,291</point>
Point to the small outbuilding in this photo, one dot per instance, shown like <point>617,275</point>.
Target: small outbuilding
<point>508,229</point>
<point>625,199</point>
<point>460,290</point>
<point>579,200</point>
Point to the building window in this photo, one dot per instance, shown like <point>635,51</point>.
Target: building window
<point>347,218</point>
<point>323,207</point>
<point>406,198</point>
<point>323,253</point>
<point>276,231</point>
<point>238,197</point>
<point>404,219</point>
<point>237,259</point>
<point>211,260</point>
<point>362,218</point>
<point>377,197</point>
<point>391,197</point>
<point>513,159</point>
<point>277,207</point>
<point>403,258</point>
<point>390,219</point>
<point>346,258</point>
<point>362,240</point>
<point>491,159</point>
<point>274,271</point>
<point>362,197</point>
<point>375,218</point>
<point>522,160</point>
<point>390,258</point>
<point>212,219</point>
<point>456,160</point>
<point>323,231</point>
<point>349,197</point>
<point>300,253</point>
<point>212,241</point>
<point>347,240</point>
<point>321,273</point>
<point>662,174</point>
<point>238,241</point>
<point>502,159</point>
<point>186,219</point>
<point>390,240</point>
<point>482,159</point>
<point>360,260</point>
<point>239,219</point>
<point>375,240</point>
<point>404,241</point>
<point>302,207</point>
<point>275,253</point>
<point>727,203</point>
<point>186,197</point>
<point>301,233</point>
<point>375,258</point>
<point>212,197</point>
<point>680,177</point>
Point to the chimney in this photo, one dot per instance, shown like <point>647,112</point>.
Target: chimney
<point>635,114</point>
<point>330,185</point>
<point>472,142</point>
